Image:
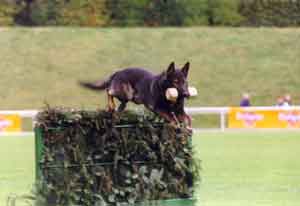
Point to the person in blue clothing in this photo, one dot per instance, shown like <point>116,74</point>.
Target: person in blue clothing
<point>245,101</point>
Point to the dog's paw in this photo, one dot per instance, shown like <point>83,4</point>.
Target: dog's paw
<point>189,129</point>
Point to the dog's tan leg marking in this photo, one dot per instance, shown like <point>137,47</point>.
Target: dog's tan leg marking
<point>111,104</point>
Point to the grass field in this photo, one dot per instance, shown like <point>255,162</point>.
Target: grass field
<point>248,169</point>
<point>17,166</point>
<point>44,64</point>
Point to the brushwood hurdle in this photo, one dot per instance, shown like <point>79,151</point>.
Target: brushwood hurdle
<point>96,158</point>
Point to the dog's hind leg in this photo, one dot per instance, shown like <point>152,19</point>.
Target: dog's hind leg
<point>122,106</point>
<point>111,103</point>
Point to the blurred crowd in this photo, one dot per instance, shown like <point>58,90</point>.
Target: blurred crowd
<point>282,101</point>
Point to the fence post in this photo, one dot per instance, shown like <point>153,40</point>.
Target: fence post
<point>222,121</point>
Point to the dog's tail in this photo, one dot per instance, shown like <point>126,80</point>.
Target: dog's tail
<point>98,85</point>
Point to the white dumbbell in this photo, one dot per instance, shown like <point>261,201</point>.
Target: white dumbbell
<point>193,91</point>
<point>172,94</point>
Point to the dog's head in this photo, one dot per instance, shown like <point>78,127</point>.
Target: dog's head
<point>177,78</point>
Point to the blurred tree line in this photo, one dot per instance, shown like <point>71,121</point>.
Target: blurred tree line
<point>150,12</point>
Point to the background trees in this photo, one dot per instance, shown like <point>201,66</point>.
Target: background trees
<point>150,12</point>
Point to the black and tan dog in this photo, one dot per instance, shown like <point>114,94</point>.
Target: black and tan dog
<point>142,87</point>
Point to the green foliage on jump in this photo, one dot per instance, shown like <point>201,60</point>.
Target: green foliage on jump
<point>96,157</point>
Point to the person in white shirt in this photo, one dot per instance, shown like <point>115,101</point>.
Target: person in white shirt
<point>287,100</point>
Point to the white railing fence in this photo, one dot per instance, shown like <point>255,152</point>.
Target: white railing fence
<point>222,112</point>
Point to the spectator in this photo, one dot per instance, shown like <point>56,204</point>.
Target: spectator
<point>287,100</point>
<point>245,102</point>
<point>280,101</point>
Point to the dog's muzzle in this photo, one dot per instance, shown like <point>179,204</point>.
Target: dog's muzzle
<point>186,94</point>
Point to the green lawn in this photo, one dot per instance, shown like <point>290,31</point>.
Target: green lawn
<point>17,166</point>
<point>41,65</point>
<point>248,169</point>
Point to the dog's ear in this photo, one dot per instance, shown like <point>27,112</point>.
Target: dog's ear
<point>185,69</point>
<point>171,69</point>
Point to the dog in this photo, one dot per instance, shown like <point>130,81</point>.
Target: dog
<point>143,87</point>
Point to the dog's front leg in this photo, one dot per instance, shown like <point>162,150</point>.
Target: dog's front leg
<point>186,119</point>
<point>171,118</point>
<point>166,116</point>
